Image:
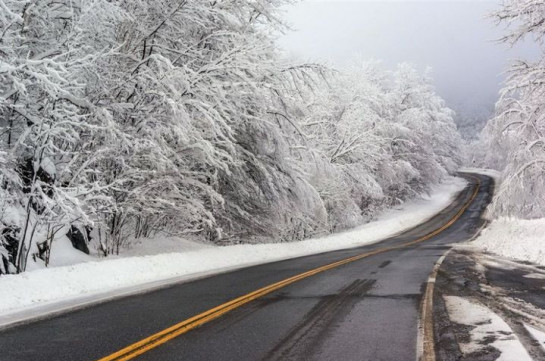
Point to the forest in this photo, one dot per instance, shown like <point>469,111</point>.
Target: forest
<point>123,119</point>
<point>513,140</point>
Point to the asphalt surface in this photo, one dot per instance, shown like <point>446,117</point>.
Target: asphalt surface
<point>365,310</point>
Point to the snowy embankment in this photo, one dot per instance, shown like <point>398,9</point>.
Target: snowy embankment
<point>514,238</point>
<point>50,290</point>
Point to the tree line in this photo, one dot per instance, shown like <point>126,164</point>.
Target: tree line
<point>121,119</point>
<point>513,141</point>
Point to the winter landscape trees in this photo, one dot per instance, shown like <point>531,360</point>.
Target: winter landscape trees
<point>121,119</point>
<point>513,141</point>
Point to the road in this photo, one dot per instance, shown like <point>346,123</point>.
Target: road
<point>365,309</point>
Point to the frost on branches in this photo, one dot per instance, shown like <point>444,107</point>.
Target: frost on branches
<point>514,141</point>
<point>122,119</point>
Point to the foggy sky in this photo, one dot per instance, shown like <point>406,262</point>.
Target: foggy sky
<point>454,38</point>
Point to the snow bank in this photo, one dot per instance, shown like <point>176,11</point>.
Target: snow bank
<point>98,279</point>
<point>161,244</point>
<point>515,238</point>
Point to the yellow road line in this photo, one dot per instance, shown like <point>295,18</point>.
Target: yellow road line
<point>178,329</point>
<point>426,336</point>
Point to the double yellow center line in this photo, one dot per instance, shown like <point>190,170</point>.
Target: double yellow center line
<point>178,329</point>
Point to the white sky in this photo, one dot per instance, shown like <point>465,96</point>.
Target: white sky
<point>453,37</point>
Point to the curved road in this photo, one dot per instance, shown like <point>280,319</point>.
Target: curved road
<point>365,309</point>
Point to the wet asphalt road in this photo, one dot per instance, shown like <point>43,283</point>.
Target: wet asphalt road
<point>365,310</point>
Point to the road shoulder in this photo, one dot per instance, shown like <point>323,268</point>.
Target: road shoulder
<point>506,302</point>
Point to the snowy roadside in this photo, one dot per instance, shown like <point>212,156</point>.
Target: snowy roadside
<point>487,329</point>
<point>514,238</point>
<point>517,239</point>
<point>51,290</point>
<point>489,308</point>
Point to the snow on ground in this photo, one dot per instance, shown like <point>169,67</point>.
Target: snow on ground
<point>99,279</point>
<point>158,245</point>
<point>537,335</point>
<point>486,325</point>
<point>514,238</point>
<point>537,276</point>
<point>62,254</point>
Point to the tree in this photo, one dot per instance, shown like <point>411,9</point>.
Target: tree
<point>515,136</point>
<point>122,119</point>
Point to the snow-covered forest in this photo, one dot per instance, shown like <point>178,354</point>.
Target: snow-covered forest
<point>514,140</point>
<point>123,119</point>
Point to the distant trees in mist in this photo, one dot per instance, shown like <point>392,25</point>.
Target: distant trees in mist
<point>121,119</point>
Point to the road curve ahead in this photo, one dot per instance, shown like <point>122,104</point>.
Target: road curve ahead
<point>354,304</point>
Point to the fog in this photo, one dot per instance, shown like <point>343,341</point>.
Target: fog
<point>456,39</point>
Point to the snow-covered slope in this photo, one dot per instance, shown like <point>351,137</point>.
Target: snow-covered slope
<point>515,238</point>
<point>47,290</point>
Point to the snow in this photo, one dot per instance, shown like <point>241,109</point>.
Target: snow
<point>97,280</point>
<point>514,238</point>
<point>160,245</point>
<point>537,335</point>
<point>486,324</point>
<point>537,276</point>
<point>62,254</point>
<point>48,166</point>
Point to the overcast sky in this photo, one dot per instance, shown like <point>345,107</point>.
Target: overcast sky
<point>454,38</point>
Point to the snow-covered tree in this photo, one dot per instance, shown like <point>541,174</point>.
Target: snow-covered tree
<point>376,138</point>
<point>121,119</point>
<point>513,140</point>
